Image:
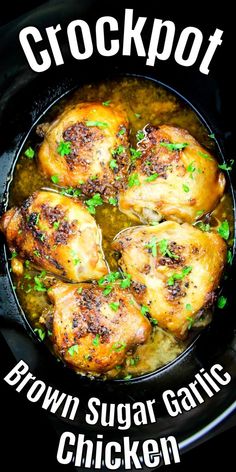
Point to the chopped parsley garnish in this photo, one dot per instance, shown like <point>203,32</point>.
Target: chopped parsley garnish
<point>186,188</point>
<point>72,192</point>
<point>56,225</point>
<point>134,360</point>
<point>100,124</point>
<point>165,251</point>
<point>29,152</point>
<point>113,201</point>
<point>205,156</point>
<point>152,177</point>
<point>190,320</point>
<point>76,260</point>
<point>229,257</point>
<point>73,349</point>
<point>13,255</point>
<point>113,164</point>
<point>189,307</point>
<point>118,347</point>
<point>221,302</point>
<point>144,310</point>
<point>106,103</point>
<point>137,115</point>
<point>27,277</point>
<point>107,290</point>
<point>55,179</point>
<point>174,146</point>
<point>39,285</point>
<point>93,202</point>
<point>140,135</point>
<point>191,169</point>
<point>114,305</point>
<point>199,213</point>
<point>153,321</point>
<point>205,227</point>
<point>185,271</point>
<point>127,377</point>
<point>79,290</point>
<point>154,223</point>
<point>93,177</point>
<point>125,283</point>
<point>212,136</point>
<point>135,154</point>
<point>133,180</point>
<point>153,246</point>
<point>121,132</point>
<point>226,166</point>
<point>41,333</point>
<point>110,278</point>
<point>36,253</point>
<point>96,340</point>
<point>27,264</point>
<point>64,148</point>
<point>223,230</point>
<point>117,151</point>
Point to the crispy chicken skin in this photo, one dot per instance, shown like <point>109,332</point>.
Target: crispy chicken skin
<point>175,270</point>
<point>87,333</point>
<point>55,233</point>
<point>96,135</point>
<point>186,183</point>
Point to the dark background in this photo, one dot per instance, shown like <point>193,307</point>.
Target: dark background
<point>28,439</point>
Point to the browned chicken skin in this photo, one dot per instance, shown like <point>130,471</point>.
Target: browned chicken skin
<point>169,182</point>
<point>55,233</point>
<point>92,332</point>
<point>175,270</point>
<point>87,147</point>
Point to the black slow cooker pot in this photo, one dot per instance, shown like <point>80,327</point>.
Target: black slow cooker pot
<point>25,96</point>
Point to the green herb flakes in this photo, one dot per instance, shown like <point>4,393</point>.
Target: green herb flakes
<point>174,146</point>
<point>29,152</point>
<point>73,349</point>
<point>186,188</point>
<point>221,302</point>
<point>113,201</point>
<point>96,340</point>
<point>93,202</point>
<point>64,148</point>
<point>114,306</point>
<point>152,177</point>
<point>133,180</point>
<point>55,179</point>
<point>223,230</point>
<point>99,124</point>
<point>106,103</point>
<point>41,333</point>
<point>185,271</point>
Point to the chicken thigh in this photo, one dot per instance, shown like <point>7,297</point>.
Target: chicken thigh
<point>91,330</point>
<point>175,270</point>
<point>87,147</point>
<point>175,178</point>
<point>56,233</point>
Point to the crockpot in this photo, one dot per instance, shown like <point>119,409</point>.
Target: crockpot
<point>25,97</point>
